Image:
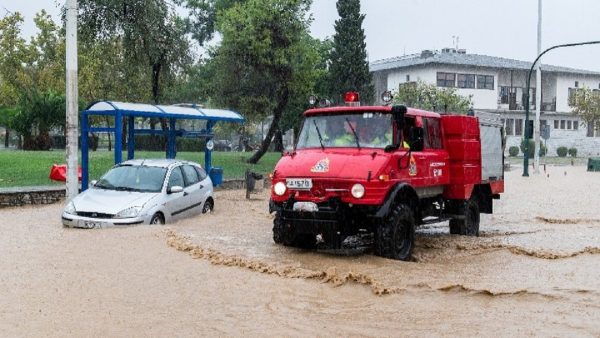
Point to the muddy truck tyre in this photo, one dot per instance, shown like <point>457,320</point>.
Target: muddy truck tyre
<point>283,235</point>
<point>395,237</point>
<point>469,226</point>
<point>280,233</point>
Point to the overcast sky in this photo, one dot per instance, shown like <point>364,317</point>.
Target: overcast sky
<point>505,28</point>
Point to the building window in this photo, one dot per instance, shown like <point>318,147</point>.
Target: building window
<point>466,81</point>
<point>485,82</point>
<point>575,125</point>
<point>407,77</point>
<point>509,126</point>
<point>518,127</point>
<point>446,79</point>
<point>569,124</point>
<point>562,124</point>
<point>504,94</point>
<point>556,124</point>
<point>576,84</point>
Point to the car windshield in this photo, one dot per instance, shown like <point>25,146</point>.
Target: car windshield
<point>366,129</point>
<point>133,178</point>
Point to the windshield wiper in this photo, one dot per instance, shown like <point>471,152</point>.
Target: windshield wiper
<point>125,189</point>
<point>353,132</point>
<point>319,134</point>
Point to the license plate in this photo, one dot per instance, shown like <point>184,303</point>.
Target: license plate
<point>299,183</point>
<point>306,207</point>
<point>91,224</point>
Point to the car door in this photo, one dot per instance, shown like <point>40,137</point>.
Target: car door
<point>176,202</point>
<point>206,187</point>
<point>193,190</point>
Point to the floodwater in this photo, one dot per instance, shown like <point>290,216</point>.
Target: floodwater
<point>534,271</point>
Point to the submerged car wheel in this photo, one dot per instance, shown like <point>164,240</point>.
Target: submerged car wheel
<point>157,219</point>
<point>209,205</point>
<point>469,226</point>
<point>395,237</point>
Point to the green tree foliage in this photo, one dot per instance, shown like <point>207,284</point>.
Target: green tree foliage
<point>312,69</point>
<point>203,15</point>
<point>148,35</point>
<point>586,104</point>
<point>349,69</point>
<point>429,97</point>
<point>31,78</point>
<point>38,113</point>
<point>255,65</point>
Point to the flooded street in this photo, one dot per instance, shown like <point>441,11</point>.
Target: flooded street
<point>534,271</point>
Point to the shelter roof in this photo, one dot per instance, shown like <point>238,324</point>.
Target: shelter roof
<point>182,111</point>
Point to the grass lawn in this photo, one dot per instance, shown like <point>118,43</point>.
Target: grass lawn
<point>27,168</point>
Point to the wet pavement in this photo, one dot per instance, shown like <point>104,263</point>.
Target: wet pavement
<point>535,270</point>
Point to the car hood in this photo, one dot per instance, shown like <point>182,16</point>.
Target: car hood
<point>349,164</point>
<point>110,201</point>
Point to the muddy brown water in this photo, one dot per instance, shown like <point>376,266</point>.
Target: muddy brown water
<point>534,271</point>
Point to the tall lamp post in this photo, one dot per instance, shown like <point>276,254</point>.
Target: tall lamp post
<point>72,123</point>
<point>526,152</point>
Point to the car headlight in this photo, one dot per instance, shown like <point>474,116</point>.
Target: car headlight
<point>70,208</point>
<point>129,212</point>
<point>358,190</point>
<point>279,188</point>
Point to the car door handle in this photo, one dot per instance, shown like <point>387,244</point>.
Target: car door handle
<point>185,193</point>
<point>201,186</point>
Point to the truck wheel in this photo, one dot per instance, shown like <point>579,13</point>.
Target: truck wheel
<point>395,237</point>
<point>283,235</point>
<point>469,226</point>
<point>280,233</point>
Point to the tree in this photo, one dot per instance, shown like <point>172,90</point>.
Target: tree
<point>31,79</point>
<point>313,69</point>
<point>254,65</point>
<point>38,114</point>
<point>429,97</point>
<point>349,64</point>
<point>150,34</point>
<point>586,105</point>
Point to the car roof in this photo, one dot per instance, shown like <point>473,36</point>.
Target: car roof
<point>157,162</point>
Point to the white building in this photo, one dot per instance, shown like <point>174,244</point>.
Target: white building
<point>498,85</point>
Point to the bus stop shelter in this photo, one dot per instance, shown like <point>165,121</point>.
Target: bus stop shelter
<point>129,111</point>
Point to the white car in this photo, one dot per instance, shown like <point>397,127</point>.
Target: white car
<point>154,191</point>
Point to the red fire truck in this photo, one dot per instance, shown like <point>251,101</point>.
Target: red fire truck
<point>380,171</point>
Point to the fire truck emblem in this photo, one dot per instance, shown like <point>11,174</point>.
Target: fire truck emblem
<point>321,167</point>
<point>412,166</point>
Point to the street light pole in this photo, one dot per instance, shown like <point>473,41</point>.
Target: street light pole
<point>526,152</point>
<point>538,96</point>
<point>72,123</point>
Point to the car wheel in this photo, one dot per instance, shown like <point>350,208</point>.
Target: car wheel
<point>157,218</point>
<point>208,207</point>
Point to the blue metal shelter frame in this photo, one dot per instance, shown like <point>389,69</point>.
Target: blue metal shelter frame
<point>119,110</point>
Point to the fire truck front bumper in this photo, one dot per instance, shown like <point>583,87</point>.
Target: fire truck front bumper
<point>329,221</point>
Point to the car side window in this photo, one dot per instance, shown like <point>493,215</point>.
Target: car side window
<point>201,173</point>
<point>176,178</point>
<point>190,175</point>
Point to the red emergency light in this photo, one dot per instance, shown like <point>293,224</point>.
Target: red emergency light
<point>351,97</point>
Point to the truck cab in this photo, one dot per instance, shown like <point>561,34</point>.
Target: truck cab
<point>382,171</point>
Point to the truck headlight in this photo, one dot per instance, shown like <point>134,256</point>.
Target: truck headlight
<point>70,208</point>
<point>129,212</point>
<point>358,190</point>
<point>279,188</point>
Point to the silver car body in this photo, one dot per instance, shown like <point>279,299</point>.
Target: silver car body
<point>99,207</point>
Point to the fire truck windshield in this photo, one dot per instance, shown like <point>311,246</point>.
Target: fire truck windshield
<point>364,130</point>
